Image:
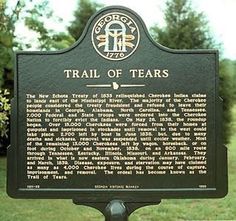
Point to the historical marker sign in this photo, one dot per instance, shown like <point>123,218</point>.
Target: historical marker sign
<point>117,116</point>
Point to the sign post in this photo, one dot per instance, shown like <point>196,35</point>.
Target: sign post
<point>117,121</point>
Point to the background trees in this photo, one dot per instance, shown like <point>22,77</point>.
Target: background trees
<point>7,43</point>
<point>82,14</point>
<point>187,29</point>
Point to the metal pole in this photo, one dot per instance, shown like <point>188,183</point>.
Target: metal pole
<point>116,211</point>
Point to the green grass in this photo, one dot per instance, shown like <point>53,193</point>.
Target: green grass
<point>39,210</point>
<point>168,210</point>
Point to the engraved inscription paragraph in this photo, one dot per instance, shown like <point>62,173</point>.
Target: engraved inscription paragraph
<point>120,134</point>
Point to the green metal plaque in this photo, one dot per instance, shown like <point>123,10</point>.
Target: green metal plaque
<point>117,116</point>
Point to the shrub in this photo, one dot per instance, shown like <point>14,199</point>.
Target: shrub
<point>4,120</point>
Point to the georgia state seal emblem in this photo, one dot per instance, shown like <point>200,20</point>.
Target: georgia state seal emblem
<point>115,36</point>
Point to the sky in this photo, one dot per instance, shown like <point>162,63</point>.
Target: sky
<point>221,15</point>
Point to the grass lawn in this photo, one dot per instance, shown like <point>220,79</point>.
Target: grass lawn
<point>168,210</point>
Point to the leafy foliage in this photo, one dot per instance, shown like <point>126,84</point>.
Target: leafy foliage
<point>227,90</point>
<point>85,9</point>
<point>228,67</point>
<point>4,112</point>
<point>48,39</point>
<point>187,29</point>
<point>6,44</point>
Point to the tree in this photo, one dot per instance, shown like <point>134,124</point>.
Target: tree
<point>6,43</point>
<point>227,93</point>
<point>4,121</point>
<point>229,68</point>
<point>48,39</point>
<point>187,29</point>
<point>85,9</point>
